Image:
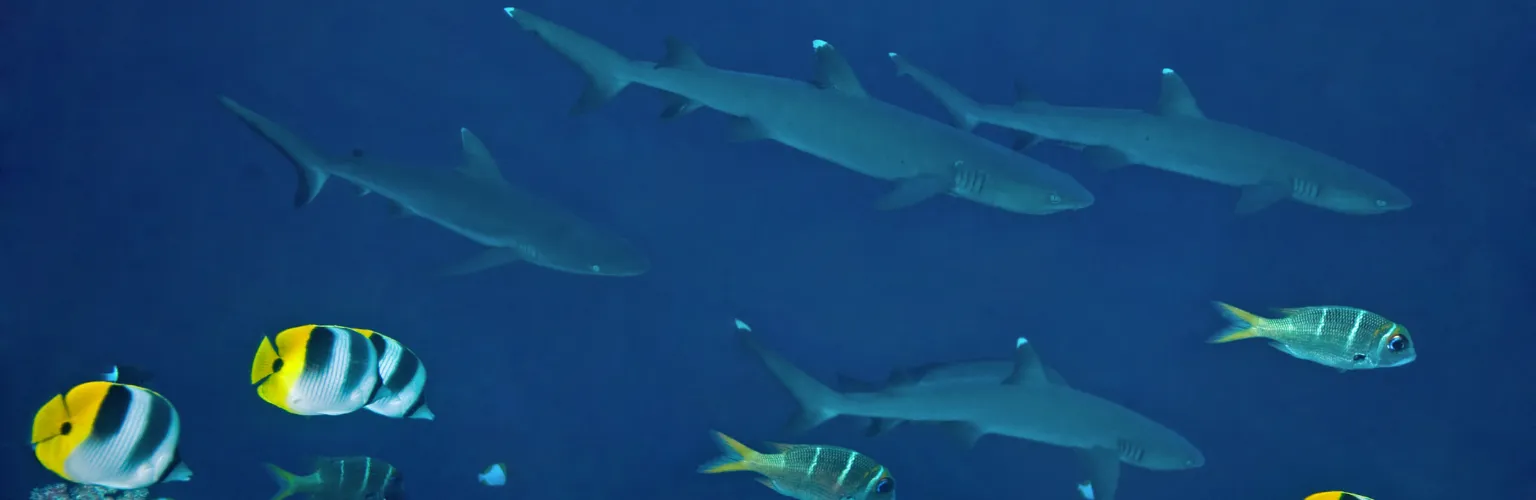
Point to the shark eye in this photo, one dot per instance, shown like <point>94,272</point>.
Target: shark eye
<point>1381,203</point>
<point>596,268</point>
<point>1055,198</point>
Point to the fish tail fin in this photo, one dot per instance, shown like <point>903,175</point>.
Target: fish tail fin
<point>287,482</point>
<point>307,160</point>
<point>608,71</point>
<point>960,106</point>
<point>1245,325</point>
<point>266,357</point>
<point>734,456</point>
<point>818,403</point>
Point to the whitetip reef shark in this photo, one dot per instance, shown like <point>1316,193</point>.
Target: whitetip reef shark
<point>830,117</point>
<point>1179,138</point>
<point>1029,401</point>
<point>473,201</point>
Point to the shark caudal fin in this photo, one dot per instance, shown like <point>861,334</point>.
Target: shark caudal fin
<point>608,72</point>
<point>960,106</point>
<point>306,159</point>
<point>818,402</point>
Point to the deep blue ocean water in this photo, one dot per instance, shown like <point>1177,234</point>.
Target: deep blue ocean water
<point>140,223</point>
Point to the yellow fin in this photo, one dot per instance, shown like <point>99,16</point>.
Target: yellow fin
<point>1336,495</point>
<point>735,456</point>
<point>287,482</point>
<point>266,356</point>
<point>1245,325</point>
<point>65,422</point>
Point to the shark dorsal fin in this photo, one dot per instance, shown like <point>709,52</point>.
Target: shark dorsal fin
<point>680,55</point>
<point>1026,365</point>
<point>1176,100</point>
<point>478,163</point>
<point>833,72</point>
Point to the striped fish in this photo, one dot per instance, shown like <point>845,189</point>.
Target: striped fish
<point>348,478</point>
<point>109,434</point>
<point>402,381</point>
<point>1342,337</point>
<point>807,472</point>
<point>317,369</point>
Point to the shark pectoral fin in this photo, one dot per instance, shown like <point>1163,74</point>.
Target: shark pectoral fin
<point>1102,466</point>
<point>1025,140</point>
<point>878,426</point>
<point>965,432</point>
<point>1258,196</point>
<point>833,71</point>
<point>1104,158</point>
<point>677,105</point>
<point>478,162</point>
<point>1176,99</point>
<point>743,129</point>
<point>914,190</point>
<point>491,257</point>
<point>1027,368</point>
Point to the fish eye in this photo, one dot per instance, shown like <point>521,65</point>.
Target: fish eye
<point>277,365</point>
<point>1397,343</point>
<point>1381,203</point>
<point>1055,198</point>
<point>885,485</point>
<point>64,429</point>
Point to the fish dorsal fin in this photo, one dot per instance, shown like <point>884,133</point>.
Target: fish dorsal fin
<point>681,55</point>
<point>833,72</point>
<point>1176,100</point>
<point>478,163</point>
<point>1026,365</point>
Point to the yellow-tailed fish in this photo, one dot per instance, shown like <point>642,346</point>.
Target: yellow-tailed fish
<point>110,434</point>
<point>1337,495</point>
<point>349,478</point>
<point>807,472</point>
<point>402,381</point>
<point>317,369</point>
<point>1342,337</point>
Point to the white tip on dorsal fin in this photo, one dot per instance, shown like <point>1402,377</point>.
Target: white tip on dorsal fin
<point>478,162</point>
<point>742,325</point>
<point>1027,368</point>
<point>1176,100</point>
<point>833,72</point>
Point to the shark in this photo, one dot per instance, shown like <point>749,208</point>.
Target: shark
<point>830,117</point>
<point>1102,465</point>
<point>1030,402</point>
<point>1178,137</point>
<point>474,201</point>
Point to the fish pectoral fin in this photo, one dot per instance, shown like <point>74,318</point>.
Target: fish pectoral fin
<point>489,258</point>
<point>1259,196</point>
<point>1102,468</point>
<point>966,433</point>
<point>914,190</point>
<point>743,129</point>
<point>1176,99</point>
<point>1105,158</point>
<point>1027,368</point>
<point>833,71</point>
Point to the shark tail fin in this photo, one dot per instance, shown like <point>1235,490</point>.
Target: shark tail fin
<point>607,70</point>
<point>306,159</point>
<point>818,403</point>
<point>960,106</point>
<point>1245,325</point>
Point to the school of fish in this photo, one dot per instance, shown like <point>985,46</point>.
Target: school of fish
<point>117,433</point>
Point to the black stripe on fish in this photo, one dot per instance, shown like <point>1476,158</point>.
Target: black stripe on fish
<point>318,349</point>
<point>358,373</point>
<point>157,429</point>
<point>112,414</point>
<point>380,345</point>
<point>404,370</point>
<point>421,400</point>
